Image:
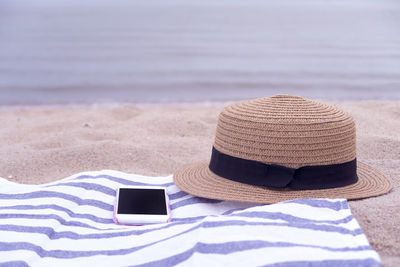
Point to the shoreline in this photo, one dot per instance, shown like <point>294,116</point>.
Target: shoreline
<point>181,104</point>
<point>117,104</point>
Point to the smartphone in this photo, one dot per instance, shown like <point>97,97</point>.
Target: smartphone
<point>138,205</point>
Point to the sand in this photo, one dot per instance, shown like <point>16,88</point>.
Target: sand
<point>43,144</point>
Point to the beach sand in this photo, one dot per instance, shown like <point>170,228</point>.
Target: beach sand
<point>44,144</point>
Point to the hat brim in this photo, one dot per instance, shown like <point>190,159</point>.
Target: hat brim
<point>197,179</point>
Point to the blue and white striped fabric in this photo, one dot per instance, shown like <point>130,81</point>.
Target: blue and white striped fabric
<point>70,223</point>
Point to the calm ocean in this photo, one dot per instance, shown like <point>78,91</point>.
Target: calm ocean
<point>97,51</point>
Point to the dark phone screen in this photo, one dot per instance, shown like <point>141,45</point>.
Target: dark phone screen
<point>141,201</point>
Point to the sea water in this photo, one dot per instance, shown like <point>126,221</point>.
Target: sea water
<point>98,51</point>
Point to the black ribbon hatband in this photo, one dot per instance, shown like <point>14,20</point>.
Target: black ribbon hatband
<point>270,175</point>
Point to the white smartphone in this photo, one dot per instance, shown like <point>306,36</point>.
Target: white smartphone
<point>137,205</point>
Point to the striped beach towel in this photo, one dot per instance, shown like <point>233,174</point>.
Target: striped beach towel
<point>70,223</point>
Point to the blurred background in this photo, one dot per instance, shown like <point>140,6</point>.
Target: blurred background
<point>97,51</point>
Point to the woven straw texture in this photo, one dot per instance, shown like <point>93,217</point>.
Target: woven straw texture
<point>286,130</point>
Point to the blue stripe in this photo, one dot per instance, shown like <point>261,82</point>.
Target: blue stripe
<point>52,234</point>
<point>47,217</point>
<point>321,203</point>
<point>194,200</point>
<point>287,217</point>
<point>310,226</point>
<point>47,194</point>
<point>59,208</point>
<point>328,263</point>
<point>191,219</point>
<point>177,195</point>
<point>228,212</point>
<point>14,264</point>
<point>199,247</point>
<point>89,186</point>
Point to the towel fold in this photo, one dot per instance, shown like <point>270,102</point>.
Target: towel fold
<point>70,223</point>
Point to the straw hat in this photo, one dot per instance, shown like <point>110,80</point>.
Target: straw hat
<point>282,147</point>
